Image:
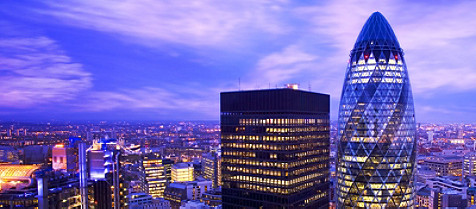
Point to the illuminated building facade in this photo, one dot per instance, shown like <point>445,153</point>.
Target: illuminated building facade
<point>155,176</point>
<point>423,197</point>
<point>110,189</point>
<point>376,127</point>
<point>444,165</point>
<point>275,149</point>
<point>18,186</point>
<point>211,167</point>
<point>182,172</point>
<point>64,158</point>
<point>469,164</point>
<point>191,190</point>
<point>30,186</point>
<point>9,154</point>
<point>58,190</point>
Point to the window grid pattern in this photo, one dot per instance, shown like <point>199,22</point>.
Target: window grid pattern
<point>376,147</point>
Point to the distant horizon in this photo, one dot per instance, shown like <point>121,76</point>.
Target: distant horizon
<point>178,121</point>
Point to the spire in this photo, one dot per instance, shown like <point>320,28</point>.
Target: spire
<point>377,30</point>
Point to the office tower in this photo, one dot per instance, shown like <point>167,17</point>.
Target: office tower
<point>469,164</point>
<point>65,158</point>
<point>447,198</point>
<point>155,176</point>
<point>9,132</point>
<point>212,197</point>
<point>430,136</point>
<point>460,132</point>
<point>211,167</point>
<point>168,168</point>
<point>275,149</point>
<point>36,154</point>
<point>182,172</point>
<point>83,175</point>
<point>377,132</point>
<point>471,196</point>
<point>58,190</point>
<point>105,171</point>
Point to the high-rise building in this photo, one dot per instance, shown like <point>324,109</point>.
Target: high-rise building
<point>65,157</point>
<point>211,167</point>
<point>377,132</point>
<point>104,169</point>
<point>155,176</point>
<point>460,132</point>
<point>275,149</point>
<point>431,134</point>
<point>469,164</point>
<point>182,172</point>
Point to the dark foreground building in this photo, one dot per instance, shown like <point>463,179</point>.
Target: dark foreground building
<point>275,149</point>
<point>377,137</point>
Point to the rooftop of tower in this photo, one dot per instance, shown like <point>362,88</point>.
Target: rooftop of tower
<point>377,29</point>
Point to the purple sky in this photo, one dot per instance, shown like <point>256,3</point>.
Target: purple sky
<point>156,60</point>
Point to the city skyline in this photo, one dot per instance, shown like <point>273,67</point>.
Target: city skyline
<point>88,60</point>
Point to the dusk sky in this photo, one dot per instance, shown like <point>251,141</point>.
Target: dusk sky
<point>169,60</point>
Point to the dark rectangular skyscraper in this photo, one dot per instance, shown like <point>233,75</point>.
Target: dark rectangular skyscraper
<point>275,149</point>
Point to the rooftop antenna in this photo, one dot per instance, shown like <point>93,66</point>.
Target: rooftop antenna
<point>239,84</point>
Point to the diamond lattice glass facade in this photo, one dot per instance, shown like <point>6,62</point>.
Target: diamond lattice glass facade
<point>376,147</point>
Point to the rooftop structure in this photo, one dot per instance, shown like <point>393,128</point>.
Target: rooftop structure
<point>17,176</point>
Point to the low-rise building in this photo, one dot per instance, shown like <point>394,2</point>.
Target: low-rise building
<point>192,190</point>
<point>423,197</point>
<point>145,201</point>
<point>444,165</point>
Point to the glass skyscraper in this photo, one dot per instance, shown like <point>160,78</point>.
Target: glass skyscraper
<point>377,143</point>
<point>275,149</point>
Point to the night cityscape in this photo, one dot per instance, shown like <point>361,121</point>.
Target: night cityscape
<point>237,105</point>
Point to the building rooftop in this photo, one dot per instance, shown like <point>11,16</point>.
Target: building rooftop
<point>377,29</point>
<point>17,170</point>
<point>181,165</point>
<point>443,159</point>
<point>425,191</point>
<point>274,100</point>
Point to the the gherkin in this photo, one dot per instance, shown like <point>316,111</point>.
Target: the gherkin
<point>377,136</point>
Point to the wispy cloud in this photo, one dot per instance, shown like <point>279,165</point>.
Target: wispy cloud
<point>191,23</point>
<point>439,39</point>
<point>152,99</point>
<point>274,42</point>
<point>36,71</point>
<point>280,67</point>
